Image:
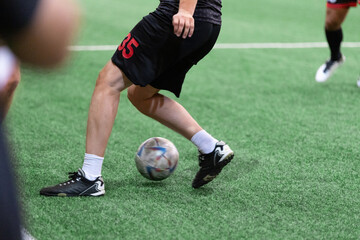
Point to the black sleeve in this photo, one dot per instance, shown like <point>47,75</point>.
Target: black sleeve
<point>15,15</point>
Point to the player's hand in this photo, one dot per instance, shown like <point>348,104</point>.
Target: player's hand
<point>184,24</point>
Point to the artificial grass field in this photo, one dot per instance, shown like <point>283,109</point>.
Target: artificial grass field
<point>295,174</point>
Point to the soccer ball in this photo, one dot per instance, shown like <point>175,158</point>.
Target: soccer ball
<point>156,158</point>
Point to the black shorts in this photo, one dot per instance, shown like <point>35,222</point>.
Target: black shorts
<point>152,54</point>
<point>341,3</point>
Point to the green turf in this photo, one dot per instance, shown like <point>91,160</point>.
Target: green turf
<point>296,170</point>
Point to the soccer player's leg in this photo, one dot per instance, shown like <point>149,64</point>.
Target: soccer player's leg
<point>112,80</point>
<point>213,154</point>
<point>103,109</point>
<point>163,109</point>
<point>335,16</point>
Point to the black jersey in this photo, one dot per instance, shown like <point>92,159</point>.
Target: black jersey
<point>206,10</point>
<point>15,15</point>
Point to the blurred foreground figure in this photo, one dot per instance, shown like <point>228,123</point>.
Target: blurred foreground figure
<point>36,32</point>
<point>10,78</point>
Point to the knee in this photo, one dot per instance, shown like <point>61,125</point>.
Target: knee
<point>106,81</point>
<point>334,18</point>
<point>101,79</point>
<point>332,24</point>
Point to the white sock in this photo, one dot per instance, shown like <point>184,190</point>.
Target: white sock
<point>92,166</point>
<point>204,142</point>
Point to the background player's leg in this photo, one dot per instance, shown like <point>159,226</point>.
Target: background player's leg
<point>335,17</point>
<point>334,36</point>
<point>7,93</point>
<point>103,108</point>
<point>163,109</point>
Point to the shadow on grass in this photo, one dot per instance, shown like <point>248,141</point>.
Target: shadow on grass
<point>203,191</point>
<point>246,166</point>
<point>236,170</point>
<point>113,184</point>
<point>155,184</point>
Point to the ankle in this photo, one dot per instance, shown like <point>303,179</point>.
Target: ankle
<point>204,142</point>
<point>92,166</point>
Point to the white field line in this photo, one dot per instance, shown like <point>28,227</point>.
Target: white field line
<point>234,46</point>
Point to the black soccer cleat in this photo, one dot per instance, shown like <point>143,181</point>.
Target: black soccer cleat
<point>211,164</point>
<point>78,185</point>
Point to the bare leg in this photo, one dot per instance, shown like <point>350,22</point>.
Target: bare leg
<point>334,37</point>
<point>335,17</point>
<point>7,93</point>
<point>163,109</point>
<point>103,108</point>
<point>170,113</point>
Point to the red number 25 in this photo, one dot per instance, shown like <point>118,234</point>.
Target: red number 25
<point>129,42</point>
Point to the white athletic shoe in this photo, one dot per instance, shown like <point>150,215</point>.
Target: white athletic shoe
<point>358,82</point>
<point>327,69</point>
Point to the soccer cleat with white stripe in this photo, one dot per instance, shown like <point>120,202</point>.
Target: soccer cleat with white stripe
<point>327,69</point>
<point>78,185</point>
<point>211,164</point>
